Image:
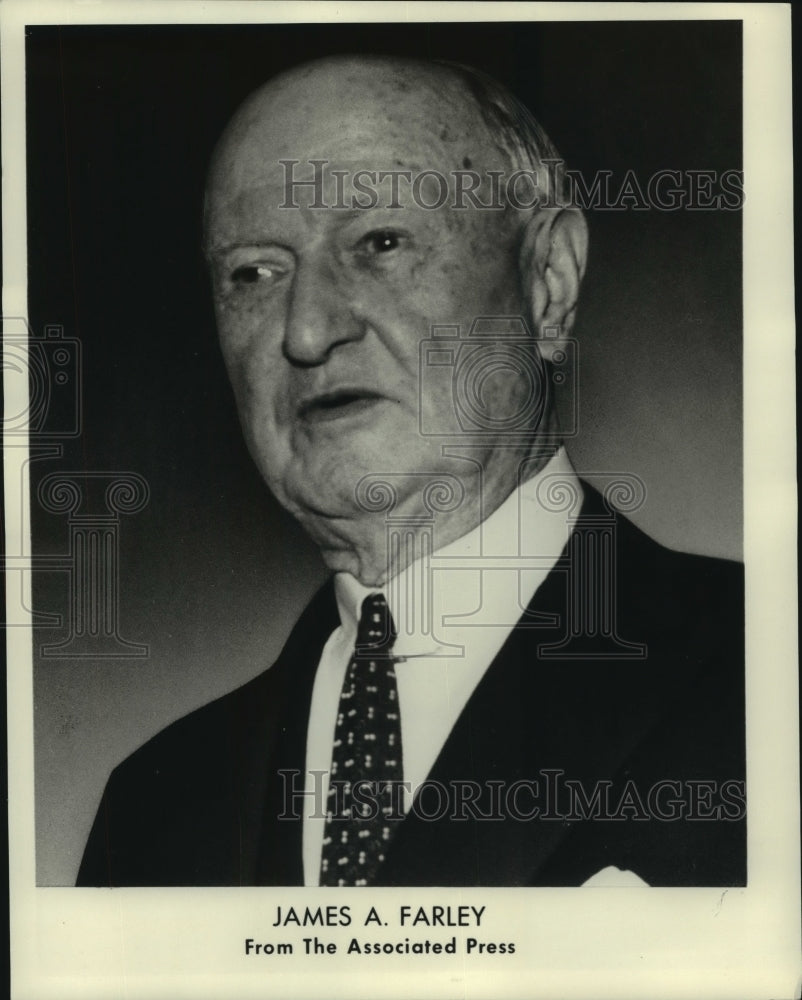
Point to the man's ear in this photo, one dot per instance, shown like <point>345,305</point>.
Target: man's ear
<point>553,256</point>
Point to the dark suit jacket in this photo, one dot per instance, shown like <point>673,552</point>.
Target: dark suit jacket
<point>199,803</point>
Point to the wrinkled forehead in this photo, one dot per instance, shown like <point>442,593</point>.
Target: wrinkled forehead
<point>352,115</point>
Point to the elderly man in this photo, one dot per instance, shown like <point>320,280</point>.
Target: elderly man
<point>499,685</point>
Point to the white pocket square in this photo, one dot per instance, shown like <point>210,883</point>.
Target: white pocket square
<point>612,877</point>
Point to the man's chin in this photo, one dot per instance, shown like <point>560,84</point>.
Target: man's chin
<point>342,485</point>
<point>323,493</point>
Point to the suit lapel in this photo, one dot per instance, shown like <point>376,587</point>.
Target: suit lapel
<point>494,747</point>
<point>530,719</point>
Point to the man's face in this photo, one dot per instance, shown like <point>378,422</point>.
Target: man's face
<point>321,311</point>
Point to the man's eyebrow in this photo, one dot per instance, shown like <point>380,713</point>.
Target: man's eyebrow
<point>353,213</point>
<point>340,215</point>
<point>221,248</point>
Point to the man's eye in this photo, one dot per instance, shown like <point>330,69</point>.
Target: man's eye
<point>382,241</point>
<point>249,274</point>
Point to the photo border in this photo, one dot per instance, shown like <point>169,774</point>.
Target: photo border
<point>667,942</point>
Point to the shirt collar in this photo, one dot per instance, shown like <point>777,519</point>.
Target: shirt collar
<point>522,525</point>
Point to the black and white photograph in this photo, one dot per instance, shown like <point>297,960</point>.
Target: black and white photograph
<point>382,494</point>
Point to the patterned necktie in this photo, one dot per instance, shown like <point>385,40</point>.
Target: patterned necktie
<point>363,806</point>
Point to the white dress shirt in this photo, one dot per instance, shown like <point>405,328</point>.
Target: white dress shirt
<point>449,632</point>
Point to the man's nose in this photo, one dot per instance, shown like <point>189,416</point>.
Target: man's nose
<point>319,315</point>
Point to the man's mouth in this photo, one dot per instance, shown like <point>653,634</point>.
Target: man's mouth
<point>337,404</point>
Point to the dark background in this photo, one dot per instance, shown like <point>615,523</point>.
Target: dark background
<point>121,124</point>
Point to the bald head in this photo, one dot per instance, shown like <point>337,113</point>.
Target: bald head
<point>327,286</point>
<point>445,117</point>
<point>349,99</point>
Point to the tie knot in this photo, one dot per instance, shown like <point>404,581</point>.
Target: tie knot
<point>375,632</point>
